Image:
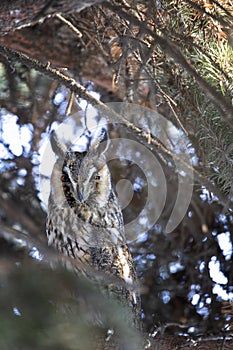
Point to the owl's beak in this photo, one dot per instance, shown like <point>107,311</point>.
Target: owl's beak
<point>80,196</point>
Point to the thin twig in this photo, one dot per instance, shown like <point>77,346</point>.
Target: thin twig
<point>69,24</point>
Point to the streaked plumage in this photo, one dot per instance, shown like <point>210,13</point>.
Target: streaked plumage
<point>84,217</point>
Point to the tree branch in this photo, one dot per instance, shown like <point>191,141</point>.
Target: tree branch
<point>18,14</point>
<point>222,104</point>
<point>142,135</point>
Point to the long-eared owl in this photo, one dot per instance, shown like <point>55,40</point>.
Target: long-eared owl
<point>84,217</point>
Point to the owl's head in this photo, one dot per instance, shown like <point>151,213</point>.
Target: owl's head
<point>85,176</point>
<point>94,179</point>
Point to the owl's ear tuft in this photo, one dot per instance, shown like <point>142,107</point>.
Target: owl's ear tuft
<point>101,142</point>
<point>57,146</point>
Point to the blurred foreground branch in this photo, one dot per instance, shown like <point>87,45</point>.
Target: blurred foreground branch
<point>55,308</point>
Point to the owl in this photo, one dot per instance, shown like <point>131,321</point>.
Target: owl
<point>84,216</point>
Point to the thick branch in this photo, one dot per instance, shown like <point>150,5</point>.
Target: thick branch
<point>17,14</point>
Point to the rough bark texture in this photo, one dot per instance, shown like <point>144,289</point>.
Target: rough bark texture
<point>17,14</point>
<point>52,41</point>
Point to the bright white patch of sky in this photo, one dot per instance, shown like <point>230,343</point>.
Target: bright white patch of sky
<point>16,311</point>
<point>207,195</point>
<point>35,254</point>
<point>215,272</point>
<point>166,297</point>
<point>175,266</point>
<point>218,290</point>
<point>195,299</point>
<point>59,98</point>
<point>224,241</point>
<point>4,154</point>
<point>16,136</point>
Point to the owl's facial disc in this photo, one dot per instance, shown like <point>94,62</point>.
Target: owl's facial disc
<point>68,177</point>
<point>87,185</point>
<point>94,185</point>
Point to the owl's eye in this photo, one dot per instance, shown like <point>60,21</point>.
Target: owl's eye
<point>64,178</point>
<point>97,177</point>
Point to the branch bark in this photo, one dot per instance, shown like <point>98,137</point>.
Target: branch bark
<point>18,14</point>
